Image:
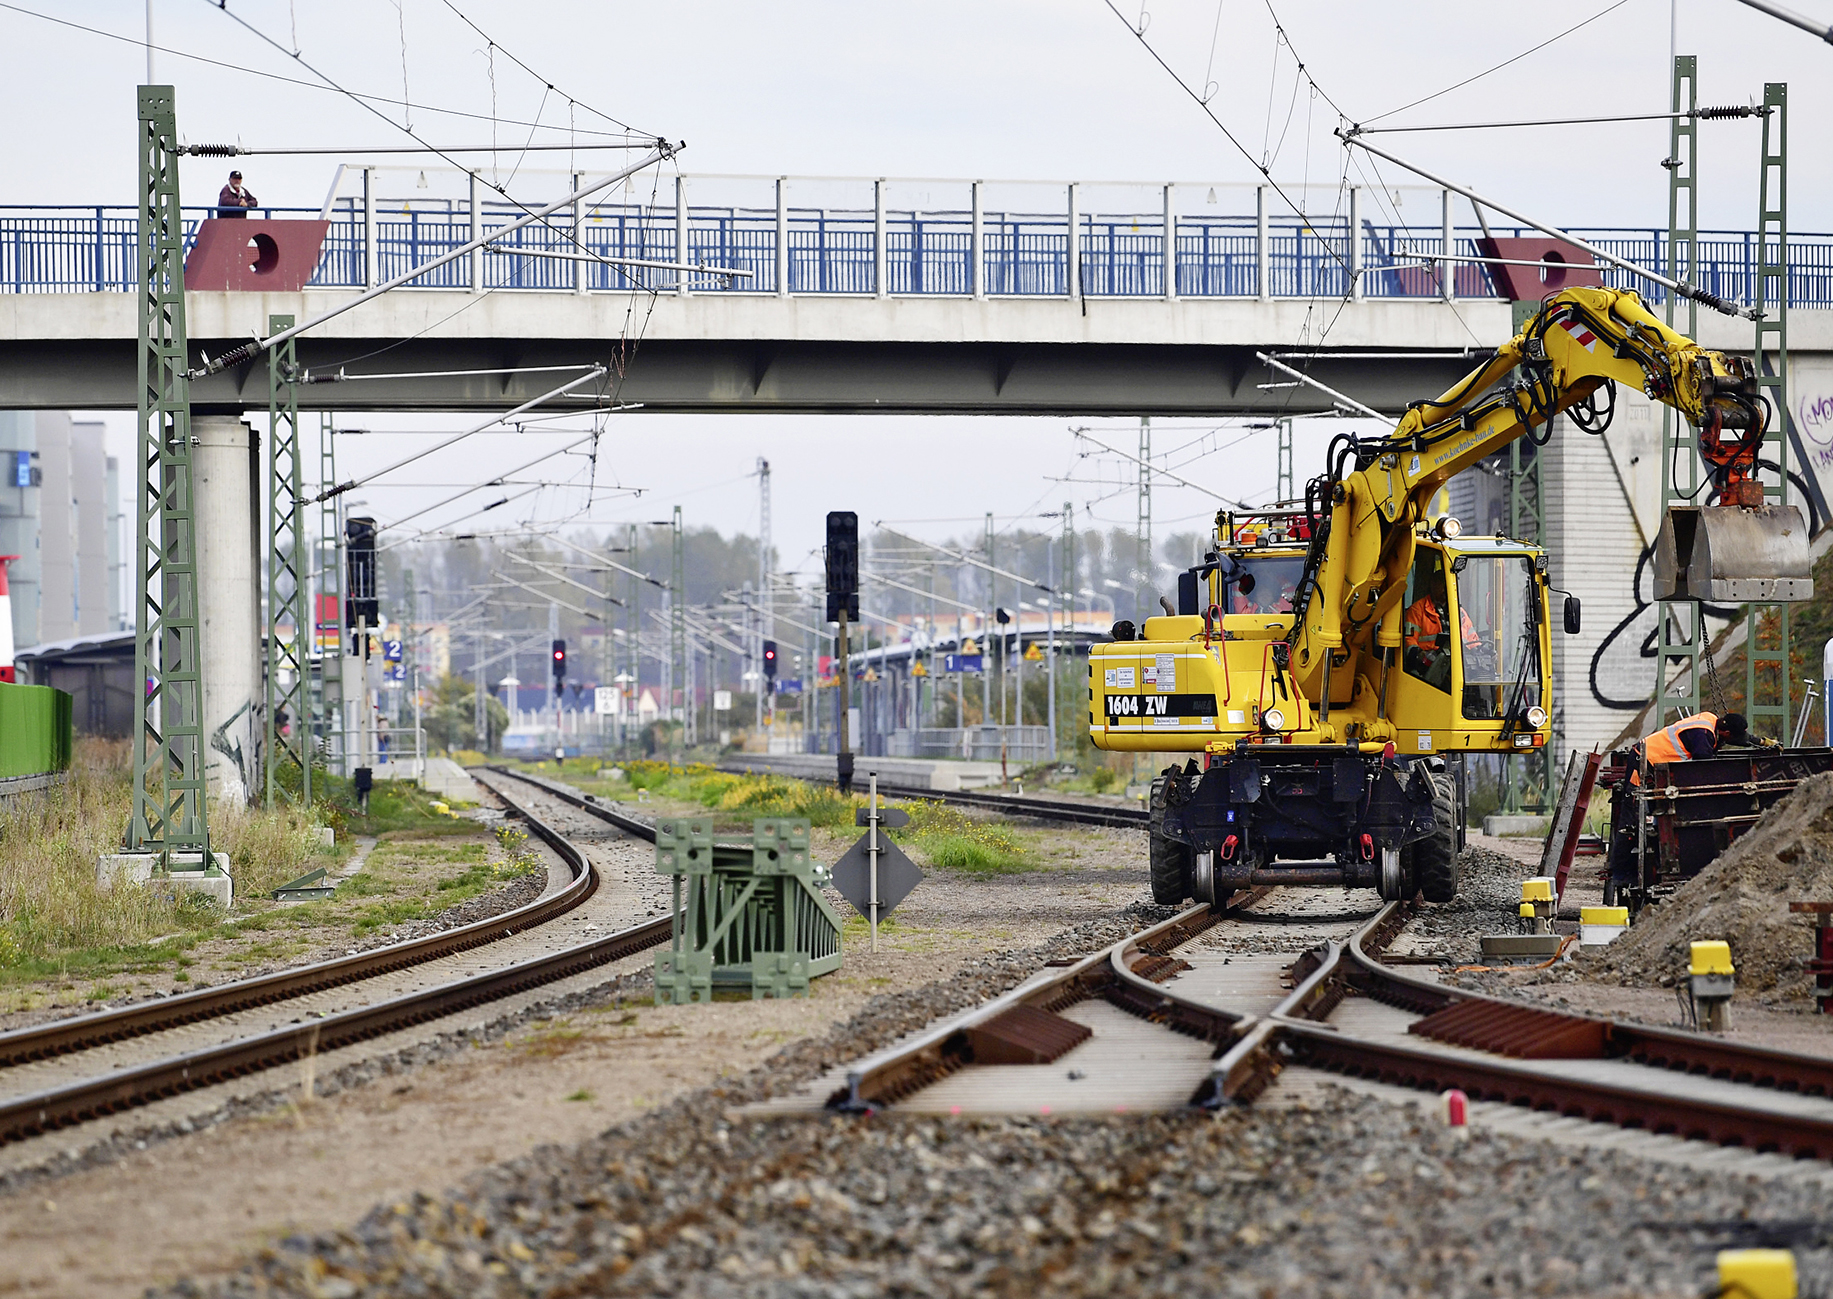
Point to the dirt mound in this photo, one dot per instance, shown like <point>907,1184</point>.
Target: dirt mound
<point>1743,898</point>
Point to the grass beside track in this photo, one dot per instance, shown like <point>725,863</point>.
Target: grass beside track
<point>941,835</point>
<point>64,940</point>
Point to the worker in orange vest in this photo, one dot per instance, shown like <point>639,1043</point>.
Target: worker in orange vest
<point>1698,736</point>
<point>1428,645</point>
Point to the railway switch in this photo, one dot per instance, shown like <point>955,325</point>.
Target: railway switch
<point>1711,979</point>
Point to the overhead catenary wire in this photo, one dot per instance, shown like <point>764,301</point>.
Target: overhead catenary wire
<point>1680,287</point>
<point>254,151</point>
<point>1165,473</point>
<point>248,351</point>
<point>1515,58</point>
<point>554,599</point>
<point>280,77</point>
<point>340,488</point>
<point>964,558</point>
<point>1203,104</point>
<point>498,45</point>
<point>660,150</point>
<point>562,577</point>
<point>1322,387</point>
<point>501,481</point>
<point>1705,114</point>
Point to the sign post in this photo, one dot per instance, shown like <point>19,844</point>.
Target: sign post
<point>874,875</point>
<point>872,851</point>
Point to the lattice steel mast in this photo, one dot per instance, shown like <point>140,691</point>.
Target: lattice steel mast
<point>289,689</point>
<point>169,812</point>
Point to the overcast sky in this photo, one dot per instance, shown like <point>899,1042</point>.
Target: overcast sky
<point>996,89</point>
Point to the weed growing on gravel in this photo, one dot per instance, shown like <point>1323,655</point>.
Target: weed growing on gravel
<point>55,917</point>
<point>398,905</point>
<point>954,841</point>
<point>740,797</point>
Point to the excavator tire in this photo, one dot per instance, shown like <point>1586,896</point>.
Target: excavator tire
<point>1173,865</point>
<point>1435,859</point>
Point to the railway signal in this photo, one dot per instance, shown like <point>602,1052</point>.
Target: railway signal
<point>559,662</point>
<point>770,660</point>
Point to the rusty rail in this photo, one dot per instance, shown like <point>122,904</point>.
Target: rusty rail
<point>91,1098</point>
<point>85,1032</point>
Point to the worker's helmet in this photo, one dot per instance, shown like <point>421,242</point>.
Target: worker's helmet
<point>1734,728</point>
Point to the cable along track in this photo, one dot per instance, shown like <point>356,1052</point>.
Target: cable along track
<point>25,1116</point>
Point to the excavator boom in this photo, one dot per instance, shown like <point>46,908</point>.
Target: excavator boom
<point>1324,660</point>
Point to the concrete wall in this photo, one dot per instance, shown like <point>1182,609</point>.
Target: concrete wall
<point>229,601</point>
<point>57,618</point>
<point>94,510</point>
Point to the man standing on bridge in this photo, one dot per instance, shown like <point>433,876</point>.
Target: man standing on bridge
<point>234,201</point>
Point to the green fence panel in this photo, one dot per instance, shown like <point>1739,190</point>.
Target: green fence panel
<point>35,730</point>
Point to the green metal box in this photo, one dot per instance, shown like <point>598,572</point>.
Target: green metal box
<point>747,914</point>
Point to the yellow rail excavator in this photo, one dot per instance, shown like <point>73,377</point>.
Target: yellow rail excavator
<point>1322,662</point>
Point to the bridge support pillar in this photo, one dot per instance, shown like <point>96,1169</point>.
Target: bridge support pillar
<point>226,465</point>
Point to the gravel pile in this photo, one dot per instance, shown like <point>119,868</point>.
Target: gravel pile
<point>1353,1198</point>
<point>1742,897</point>
<point>1488,902</point>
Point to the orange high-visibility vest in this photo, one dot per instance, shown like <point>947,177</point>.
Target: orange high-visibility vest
<point>1665,746</point>
<point>1429,626</point>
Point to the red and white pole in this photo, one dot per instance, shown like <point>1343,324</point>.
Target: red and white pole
<point>6,621</point>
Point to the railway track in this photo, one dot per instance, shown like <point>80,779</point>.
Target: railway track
<point>1026,805</point>
<point>57,1075</point>
<point>1345,1012</point>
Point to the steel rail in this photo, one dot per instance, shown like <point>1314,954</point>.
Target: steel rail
<point>92,1098</point>
<point>1046,809</point>
<point>630,825</point>
<point>889,1075</point>
<point>1292,1031</point>
<point>1252,1049</point>
<point>1519,1026</point>
<point>85,1032</point>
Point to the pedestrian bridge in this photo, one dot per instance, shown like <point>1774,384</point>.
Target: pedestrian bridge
<point>986,297</point>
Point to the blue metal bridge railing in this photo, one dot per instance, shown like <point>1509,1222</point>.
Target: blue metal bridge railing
<point>928,253</point>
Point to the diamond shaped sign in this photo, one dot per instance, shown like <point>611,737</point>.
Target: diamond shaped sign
<point>897,875</point>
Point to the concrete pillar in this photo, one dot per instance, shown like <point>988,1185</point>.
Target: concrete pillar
<point>228,538</point>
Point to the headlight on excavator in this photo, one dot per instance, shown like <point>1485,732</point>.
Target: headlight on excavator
<point>1447,529</point>
<point>1537,717</point>
<point>1272,721</point>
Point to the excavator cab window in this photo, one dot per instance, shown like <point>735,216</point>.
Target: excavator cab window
<point>1496,596</point>
<point>1274,586</point>
<point>1425,635</point>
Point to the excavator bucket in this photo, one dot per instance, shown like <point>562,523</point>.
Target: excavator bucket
<point>1727,554</point>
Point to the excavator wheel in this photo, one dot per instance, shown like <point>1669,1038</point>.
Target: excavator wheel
<point>1173,865</point>
<point>1435,859</point>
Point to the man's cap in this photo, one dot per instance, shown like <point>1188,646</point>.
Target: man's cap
<point>235,175</point>
<point>1736,728</point>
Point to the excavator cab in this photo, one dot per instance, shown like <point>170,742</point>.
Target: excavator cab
<point>1474,646</point>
